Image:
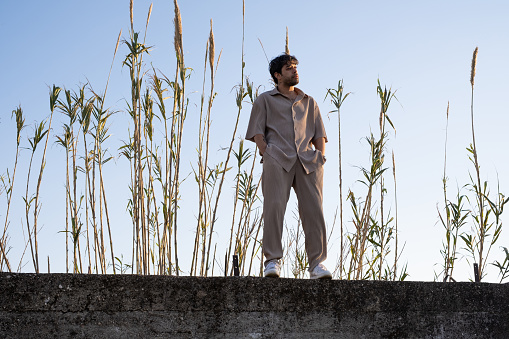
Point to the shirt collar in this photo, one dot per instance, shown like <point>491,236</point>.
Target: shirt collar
<point>298,90</point>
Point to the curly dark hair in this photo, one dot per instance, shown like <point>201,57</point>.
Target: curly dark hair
<point>276,64</point>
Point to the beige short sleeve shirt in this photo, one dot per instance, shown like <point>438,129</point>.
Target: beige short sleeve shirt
<point>288,126</point>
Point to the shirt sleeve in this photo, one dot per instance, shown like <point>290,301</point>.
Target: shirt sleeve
<point>319,127</point>
<point>257,120</point>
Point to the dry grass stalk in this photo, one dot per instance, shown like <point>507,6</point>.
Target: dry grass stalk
<point>201,173</point>
<point>169,183</point>
<point>479,195</point>
<point>206,177</point>
<point>257,245</point>
<point>240,156</point>
<point>247,193</point>
<point>101,135</point>
<point>164,265</point>
<point>337,98</point>
<point>212,52</point>
<point>396,203</point>
<point>53,100</point>
<point>112,61</point>
<point>201,176</point>
<point>240,96</point>
<point>174,138</point>
<point>447,221</point>
<point>65,141</point>
<point>134,61</point>
<point>20,125</point>
<point>85,120</point>
<point>39,135</point>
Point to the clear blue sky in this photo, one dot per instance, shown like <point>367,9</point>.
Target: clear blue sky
<point>422,49</point>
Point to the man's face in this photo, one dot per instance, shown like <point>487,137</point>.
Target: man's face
<point>289,75</point>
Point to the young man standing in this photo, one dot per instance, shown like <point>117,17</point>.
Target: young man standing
<point>285,123</point>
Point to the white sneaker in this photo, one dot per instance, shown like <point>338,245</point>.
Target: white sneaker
<point>272,269</point>
<point>320,272</point>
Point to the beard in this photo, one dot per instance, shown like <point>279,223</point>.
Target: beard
<point>291,81</point>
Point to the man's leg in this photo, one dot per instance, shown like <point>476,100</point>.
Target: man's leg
<point>308,188</point>
<point>276,185</point>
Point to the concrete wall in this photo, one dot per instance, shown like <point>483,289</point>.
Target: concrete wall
<point>130,306</point>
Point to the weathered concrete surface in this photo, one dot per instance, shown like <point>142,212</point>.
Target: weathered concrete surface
<point>131,306</point>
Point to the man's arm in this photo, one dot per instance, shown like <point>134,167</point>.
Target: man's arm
<point>261,143</point>
<point>319,144</point>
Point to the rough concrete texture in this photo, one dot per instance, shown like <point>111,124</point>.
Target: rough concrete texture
<point>132,306</point>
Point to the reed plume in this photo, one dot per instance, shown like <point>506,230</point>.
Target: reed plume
<point>287,49</point>
<point>474,63</point>
<point>148,16</point>
<point>131,5</point>
<point>212,50</point>
<point>177,21</point>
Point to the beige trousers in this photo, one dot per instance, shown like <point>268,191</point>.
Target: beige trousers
<point>276,185</point>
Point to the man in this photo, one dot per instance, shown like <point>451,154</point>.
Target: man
<point>285,123</point>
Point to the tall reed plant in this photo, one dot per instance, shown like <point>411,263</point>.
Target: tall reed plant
<point>337,98</point>
<point>485,231</point>
<point>8,185</point>
<point>369,244</point>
